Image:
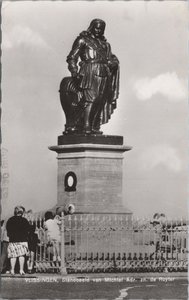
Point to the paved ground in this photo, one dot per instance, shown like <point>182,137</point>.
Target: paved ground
<point>102,286</point>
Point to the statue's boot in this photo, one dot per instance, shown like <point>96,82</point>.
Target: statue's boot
<point>87,126</point>
<point>96,126</point>
<point>87,130</point>
<point>96,131</point>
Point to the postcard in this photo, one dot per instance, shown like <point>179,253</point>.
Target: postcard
<point>94,149</point>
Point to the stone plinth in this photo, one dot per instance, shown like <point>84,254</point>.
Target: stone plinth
<point>90,174</point>
<point>90,139</point>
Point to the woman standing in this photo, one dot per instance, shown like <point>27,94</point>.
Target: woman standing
<point>17,231</point>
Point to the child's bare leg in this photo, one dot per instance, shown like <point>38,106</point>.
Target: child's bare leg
<point>32,259</point>
<point>28,262</point>
<point>54,251</point>
<point>58,250</point>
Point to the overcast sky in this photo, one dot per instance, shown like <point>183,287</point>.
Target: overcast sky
<point>150,39</point>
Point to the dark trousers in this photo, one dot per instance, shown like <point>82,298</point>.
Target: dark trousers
<point>5,264</point>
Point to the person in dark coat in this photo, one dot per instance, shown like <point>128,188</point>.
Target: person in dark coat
<point>17,231</point>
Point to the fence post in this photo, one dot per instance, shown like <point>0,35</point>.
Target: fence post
<point>62,267</point>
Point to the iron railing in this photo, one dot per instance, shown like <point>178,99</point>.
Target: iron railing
<point>114,243</point>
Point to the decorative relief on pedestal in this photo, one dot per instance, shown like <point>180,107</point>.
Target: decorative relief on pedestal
<point>70,182</point>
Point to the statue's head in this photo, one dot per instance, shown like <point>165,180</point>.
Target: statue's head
<point>97,27</point>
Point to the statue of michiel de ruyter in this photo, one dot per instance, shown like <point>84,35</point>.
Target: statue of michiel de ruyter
<point>89,96</point>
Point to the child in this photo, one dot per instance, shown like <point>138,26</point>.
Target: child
<point>32,244</point>
<point>51,224</point>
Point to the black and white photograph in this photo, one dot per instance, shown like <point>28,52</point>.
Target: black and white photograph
<point>94,149</point>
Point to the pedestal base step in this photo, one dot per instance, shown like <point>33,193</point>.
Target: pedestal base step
<point>90,139</point>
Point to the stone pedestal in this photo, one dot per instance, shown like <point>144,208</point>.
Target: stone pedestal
<point>90,170</point>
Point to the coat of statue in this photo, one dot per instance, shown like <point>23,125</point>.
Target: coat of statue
<point>89,96</point>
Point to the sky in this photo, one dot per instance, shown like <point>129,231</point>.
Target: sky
<point>150,38</point>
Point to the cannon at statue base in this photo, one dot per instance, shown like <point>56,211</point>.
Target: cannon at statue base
<point>73,105</point>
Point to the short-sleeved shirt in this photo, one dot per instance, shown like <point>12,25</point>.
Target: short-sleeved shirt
<point>53,230</point>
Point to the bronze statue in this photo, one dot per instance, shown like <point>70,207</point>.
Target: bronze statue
<point>89,97</point>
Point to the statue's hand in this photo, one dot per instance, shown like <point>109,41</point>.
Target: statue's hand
<point>114,104</point>
<point>112,64</point>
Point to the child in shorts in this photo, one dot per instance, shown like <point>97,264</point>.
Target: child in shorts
<point>33,240</point>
